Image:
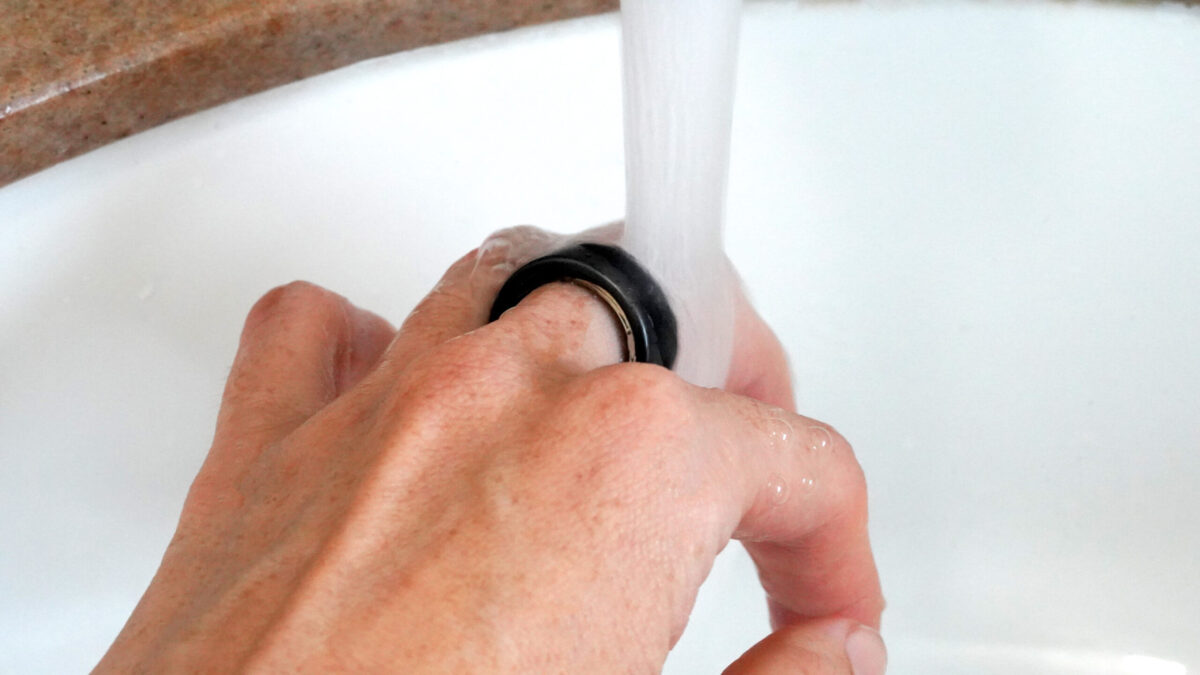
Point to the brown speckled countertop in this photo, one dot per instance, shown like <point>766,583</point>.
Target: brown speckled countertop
<point>76,74</point>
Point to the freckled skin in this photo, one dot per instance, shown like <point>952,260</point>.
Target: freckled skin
<point>458,497</point>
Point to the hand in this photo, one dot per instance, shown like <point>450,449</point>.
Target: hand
<point>505,497</point>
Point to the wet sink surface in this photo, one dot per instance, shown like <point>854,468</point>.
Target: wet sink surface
<point>975,227</point>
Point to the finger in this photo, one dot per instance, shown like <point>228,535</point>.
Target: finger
<point>564,328</point>
<point>759,368</point>
<point>370,335</point>
<point>301,347</point>
<point>816,647</point>
<point>797,499</point>
<point>462,300</point>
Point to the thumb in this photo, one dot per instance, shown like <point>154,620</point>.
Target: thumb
<point>816,647</point>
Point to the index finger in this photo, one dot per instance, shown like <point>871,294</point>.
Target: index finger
<point>796,497</point>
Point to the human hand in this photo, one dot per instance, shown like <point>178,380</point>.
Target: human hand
<point>458,496</point>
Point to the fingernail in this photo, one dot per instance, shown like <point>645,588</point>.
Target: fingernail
<point>866,651</point>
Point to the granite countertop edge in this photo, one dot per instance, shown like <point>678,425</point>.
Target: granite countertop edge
<point>70,83</point>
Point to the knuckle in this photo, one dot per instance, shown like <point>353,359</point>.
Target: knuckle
<point>208,498</point>
<point>295,297</point>
<point>840,443</point>
<point>855,494</point>
<point>851,484</point>
<point>632,393</point>
<point>634,422</point>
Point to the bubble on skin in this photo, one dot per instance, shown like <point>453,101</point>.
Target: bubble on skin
<point>777,489</point>
<point>808,483</point>
<point>819,438</point>
<point>779,430</point>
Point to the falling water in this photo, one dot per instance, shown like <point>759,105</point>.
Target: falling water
<point>679,62</point>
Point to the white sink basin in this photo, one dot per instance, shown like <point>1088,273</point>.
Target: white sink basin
<point>976,227</point>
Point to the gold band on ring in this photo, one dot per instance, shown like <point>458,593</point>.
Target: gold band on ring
<point>608,299</point>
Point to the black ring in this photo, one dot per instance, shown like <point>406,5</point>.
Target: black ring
<point>651,321</point>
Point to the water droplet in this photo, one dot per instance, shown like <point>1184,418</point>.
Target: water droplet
<point>779,430</point>
<point>808,483</point>
<point>819,438</point>
<point>777,490</point>
<point>493,259</point>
